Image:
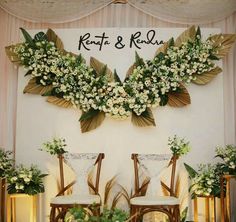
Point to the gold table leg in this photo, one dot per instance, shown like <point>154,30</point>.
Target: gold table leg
<point>228,210</point>
<point>213,209</point>
<point>195,210</point>
<point>207,212</point>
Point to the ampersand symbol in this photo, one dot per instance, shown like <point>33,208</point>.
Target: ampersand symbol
<point>119,44</point>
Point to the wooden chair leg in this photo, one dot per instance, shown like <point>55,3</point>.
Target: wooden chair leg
<point>52,214</point>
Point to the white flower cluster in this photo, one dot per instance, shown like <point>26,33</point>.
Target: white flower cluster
<point>228,155</point>
<point>55,147</point>
<point>147,86</point>
<point>6,163</point>
<point>25,180</point>
<point>178,146</point>
<point>207,181</point>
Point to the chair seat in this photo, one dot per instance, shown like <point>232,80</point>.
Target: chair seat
<point>158,200</point>
<point>76,199</point>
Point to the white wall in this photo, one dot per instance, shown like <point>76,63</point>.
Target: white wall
<point>201,123</point>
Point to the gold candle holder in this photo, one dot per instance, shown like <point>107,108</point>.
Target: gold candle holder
<point>210,207</point>
<point>225,199</point>
<point>11,206</point>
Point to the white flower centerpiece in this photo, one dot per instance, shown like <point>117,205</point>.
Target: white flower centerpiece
<point>228,155</point>
<point>25,180</point>
<point>178,146</point>
<point>6,163</point>
<point>55,147</point>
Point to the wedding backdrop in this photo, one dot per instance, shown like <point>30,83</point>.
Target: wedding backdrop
<point>27,120</point>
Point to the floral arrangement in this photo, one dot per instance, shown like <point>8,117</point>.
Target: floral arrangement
<point>206,180</point>
<point>178,146</point>
<point>228,155</point>
<point>68,81</point>
<point>6,163</point>
<point>79,214</point>
<point>25,180</point>
<point>55,147</point>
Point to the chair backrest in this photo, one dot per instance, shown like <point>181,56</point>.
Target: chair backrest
<point>74,161</point>
<point>139,187</point>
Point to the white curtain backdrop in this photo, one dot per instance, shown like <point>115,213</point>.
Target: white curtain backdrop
<point>114,15</point>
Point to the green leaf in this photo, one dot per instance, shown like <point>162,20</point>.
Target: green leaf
<point>40,36</point>
<point>198,32</point>
<point>164,100</point>
<point>192,173</point>
<point>183,215</point>
<point>171,42</point>
<point>91,113</point>
<point>28,72</point>
<point>213,57</point>
<point>138,60</point>
<point>27,37</point>
<point>116,77</point>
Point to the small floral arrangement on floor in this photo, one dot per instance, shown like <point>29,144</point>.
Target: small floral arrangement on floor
<point>25,180</point>
<point>178,146</point>
<point>6,163</point>
<point>206,180</point>
<point>228,155</point>
<point>79,214</point>
<point>55,147</point>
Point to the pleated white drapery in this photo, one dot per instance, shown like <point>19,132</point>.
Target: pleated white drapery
<point>114,15</point>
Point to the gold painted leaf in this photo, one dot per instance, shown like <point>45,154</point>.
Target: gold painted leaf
<point>206,77</point>
<point>52,37</point>
<point>59,102</point>
<point>11,55</point>
<point>188,34</point>
<point>223,42</point>
<point>179,99</point>
<point>100,67</point>
<point>145,119</point>
<point>34,88</point>
<point>162,49</point>
<point>92,123</point>
<point>130,71</point>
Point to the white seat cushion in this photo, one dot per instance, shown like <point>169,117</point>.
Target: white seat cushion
<point>159,200</point>
<point>76,199</point>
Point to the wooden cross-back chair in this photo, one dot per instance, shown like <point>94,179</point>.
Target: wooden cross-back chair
<point>61,203</point>
<point>141,205</point>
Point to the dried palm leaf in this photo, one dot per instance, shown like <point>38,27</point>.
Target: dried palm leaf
<point>187,35</point>
<point>223,43</point>
<point>101,69</point>
<point>177,187</point>
<point>162,49</point>
<point>116,199</point>
<point>90,183</point>
<point>130,71</point>
<point>206,77</point>
<point>92,123</point>
<point>11,55</point>
<point>52,37</point>
<point>144,186</point>
<point>108,188</point>
<point>179,99</point>
<point>59,102</point>
<point>125,194</point>
<point>34,88</point>
<point>145,119</point>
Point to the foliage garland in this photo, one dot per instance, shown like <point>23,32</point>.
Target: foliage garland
<point>68,81</point>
